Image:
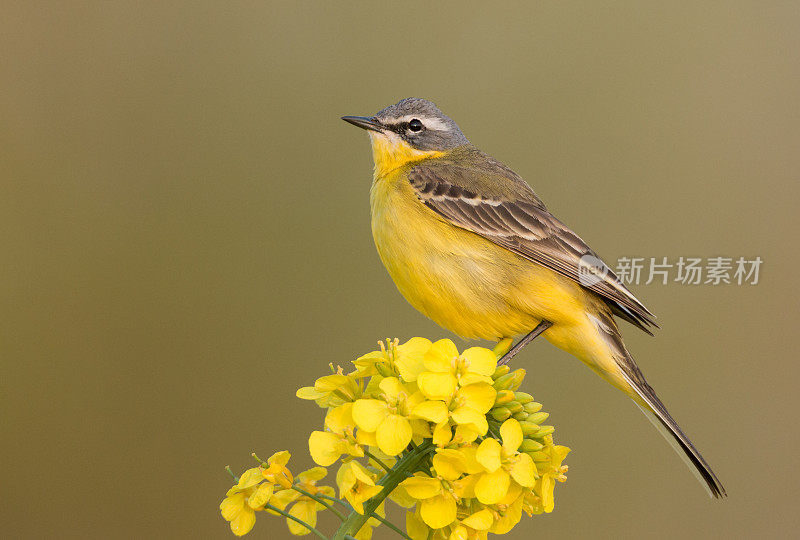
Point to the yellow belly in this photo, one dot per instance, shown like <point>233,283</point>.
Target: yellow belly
<point>463,282</point>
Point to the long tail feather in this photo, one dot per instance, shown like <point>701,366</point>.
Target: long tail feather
<point>669,428</point>
<point>654,409</point>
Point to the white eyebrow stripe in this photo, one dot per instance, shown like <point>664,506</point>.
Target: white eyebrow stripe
<point>429,122</point>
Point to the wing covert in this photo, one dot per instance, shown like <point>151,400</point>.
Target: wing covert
<point>517,220</point>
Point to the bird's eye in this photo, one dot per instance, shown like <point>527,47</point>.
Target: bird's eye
<point>415,125</point>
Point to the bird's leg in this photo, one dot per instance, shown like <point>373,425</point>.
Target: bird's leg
<point>533,334</point>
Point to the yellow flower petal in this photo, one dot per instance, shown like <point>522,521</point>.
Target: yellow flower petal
<point>509,518</point>
<point>547,485</point>
<point>511,433</point>
<point>432,411</point>
<point>471,462</point>
<point>442,433</point>
<point>283,498</point>
<point>325,447</point>
<point>464,488</point>
<point>250,477</point>
<point>261,496</point>
<point>281,458</point>
<point>369,413</point>
<point>243,523</point>
<point>472,418</point>
<point>365,532</point>
<point>492,487</point>
<point>330,383</point>
<point>480,360</point>
<point>415,527</point>
<point>365,438</point>
<point>394,434</point>
<point>440,356</point>
<point>340,418</point>
<point>488,454</point>
<point>467,379</point>
<point>392,387</point>
<point>438,511</point>
<point>514,491</point>
<point>422,487</point>
<point>309,392</point>
<point>523,471</point>
<point>312,475</point>
<point>357,500</point>
<point>460,532</point>
<point>559,453</point>
<point>362,474</point>
<point>231,506</point>
<point>449,463</point>
<point>478,396</point>
<point>411,358</point>
<point>401,497</point>
<point>480,521</point>
<point>422,429</point>
<point>437,385</point>
<point>466,433</point>
<point>303,510</point>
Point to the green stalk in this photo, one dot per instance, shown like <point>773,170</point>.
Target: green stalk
<point>377,461</point>
<point>390,481</point>
<point>335,500</point>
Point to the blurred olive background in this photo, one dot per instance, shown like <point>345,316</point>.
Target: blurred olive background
<point>185,231</point>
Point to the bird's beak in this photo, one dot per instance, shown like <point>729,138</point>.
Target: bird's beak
<point>364,122</point>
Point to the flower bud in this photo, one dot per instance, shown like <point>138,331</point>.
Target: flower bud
<point>518,374</point>
<point>545,431</point>
<point>504,396</point>
<point>538,418</point>
<point>540,456</point>
<point>528,428</point>
<point>501,414</point>
<point>500,371</point>
<point>521,416</point>
<point>504,381</point>
<point>384,370</point>
<point>532,407</point>
<point>514,407</point>
<point>523,397</point>
<point>529,446</point>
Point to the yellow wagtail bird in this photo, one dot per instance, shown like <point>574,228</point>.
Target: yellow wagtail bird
<point>469,244</point>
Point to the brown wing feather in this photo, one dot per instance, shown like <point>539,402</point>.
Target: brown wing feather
<point>523,225</point>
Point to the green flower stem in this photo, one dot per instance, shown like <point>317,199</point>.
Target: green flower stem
<point>335,500</point>
<point>390,481</point>
<point>320,501</point>
<point>230,472</point>
<point>376,460</point>
<point>300,521</point>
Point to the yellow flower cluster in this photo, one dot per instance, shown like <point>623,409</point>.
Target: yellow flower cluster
<point>493,458</point>
<point>272,487</point>
<point>443,433</point>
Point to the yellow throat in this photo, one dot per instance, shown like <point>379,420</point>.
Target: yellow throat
<point>391,152</point>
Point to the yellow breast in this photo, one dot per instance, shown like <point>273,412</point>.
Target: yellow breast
<point>463,282</point>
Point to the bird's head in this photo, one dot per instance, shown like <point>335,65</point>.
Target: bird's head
<point>409,130</point>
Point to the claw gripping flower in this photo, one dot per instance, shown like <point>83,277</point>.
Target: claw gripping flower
<point>445,434</point>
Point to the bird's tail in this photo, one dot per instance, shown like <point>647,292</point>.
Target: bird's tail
<point>655,410</point>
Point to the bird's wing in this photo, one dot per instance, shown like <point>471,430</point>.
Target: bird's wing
<point>508,213</point>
